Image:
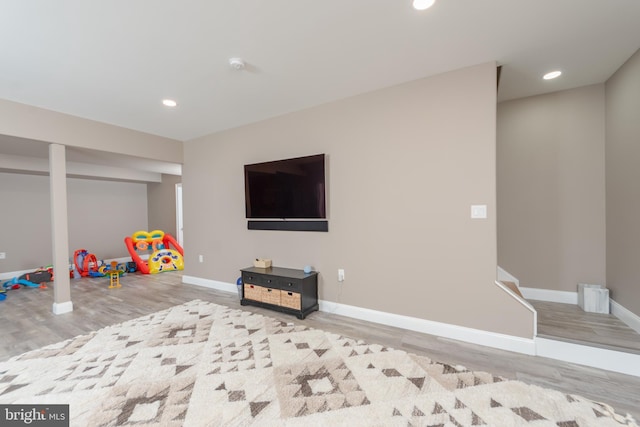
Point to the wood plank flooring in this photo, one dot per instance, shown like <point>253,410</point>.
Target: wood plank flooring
<point>569,322</point>
<point>28,323</point>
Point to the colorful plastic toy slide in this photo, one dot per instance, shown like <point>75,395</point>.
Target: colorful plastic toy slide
<point>162,257</point>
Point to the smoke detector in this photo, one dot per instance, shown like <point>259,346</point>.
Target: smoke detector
<point>236,63</point>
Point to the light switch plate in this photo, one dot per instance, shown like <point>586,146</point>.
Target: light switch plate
<point>479,211</point>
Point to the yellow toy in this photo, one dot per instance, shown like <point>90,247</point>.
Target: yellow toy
<point>162,258</point>
<point>114,275</point>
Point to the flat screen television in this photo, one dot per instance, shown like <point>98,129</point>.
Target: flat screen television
<point>286,189</point>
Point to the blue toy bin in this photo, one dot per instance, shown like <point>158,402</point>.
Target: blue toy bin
<point>239,285</point>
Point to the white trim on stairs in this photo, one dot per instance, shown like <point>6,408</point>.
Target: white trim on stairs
<point>522,301</point>
<point>626,316</point>
<point>537,294</point>
<point>610,360</point>
<point>631,319</point>
<point>504,275</point>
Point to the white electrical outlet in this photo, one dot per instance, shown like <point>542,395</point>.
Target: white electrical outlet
<point>340,275</point>
<point>3,255</point>
<point>201,258</point>
<point>479,211</point>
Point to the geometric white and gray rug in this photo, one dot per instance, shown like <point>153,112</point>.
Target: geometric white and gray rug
<point>202,364</point>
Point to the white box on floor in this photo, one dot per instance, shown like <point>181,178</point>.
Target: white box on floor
<point>593,298</point>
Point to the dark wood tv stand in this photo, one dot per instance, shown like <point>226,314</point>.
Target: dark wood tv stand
<point>282,289</point>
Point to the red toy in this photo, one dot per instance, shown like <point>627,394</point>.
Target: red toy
<point>162,258</point>
<point>86,263</point>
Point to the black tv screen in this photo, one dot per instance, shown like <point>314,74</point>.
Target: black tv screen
<point>286,189</point>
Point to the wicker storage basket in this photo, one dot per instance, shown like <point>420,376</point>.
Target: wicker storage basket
<point>271,296</point>
<point>253,292</point>
<point>290,299</point>
<point>262,263</point>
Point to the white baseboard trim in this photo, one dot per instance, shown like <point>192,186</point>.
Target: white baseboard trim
<point>537,294</point>
<point>63,307</point>
<point>211,284</point>
<point>626,363</point>
<point>610,360</point>
<point>11,274</point>
<point>460,333</point>
<point>630,318</point>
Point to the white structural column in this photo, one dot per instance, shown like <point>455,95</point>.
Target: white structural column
<point>59,229</point>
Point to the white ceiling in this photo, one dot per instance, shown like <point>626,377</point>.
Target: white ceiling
<point>114,61</point>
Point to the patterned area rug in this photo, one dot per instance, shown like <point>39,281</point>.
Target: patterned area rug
<point>202,364</point>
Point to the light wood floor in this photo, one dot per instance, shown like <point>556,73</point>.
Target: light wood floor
<point>569,322</point>
<point>27,323</point>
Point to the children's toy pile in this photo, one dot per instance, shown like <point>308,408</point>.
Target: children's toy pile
<point>35,279</point>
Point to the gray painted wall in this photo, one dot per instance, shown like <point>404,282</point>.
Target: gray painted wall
<point>404,166</point>
<point>101,214</point>
<point>161,199</point>
<point>25,228</point>
<point>551,192</point>
<point>623,179</point>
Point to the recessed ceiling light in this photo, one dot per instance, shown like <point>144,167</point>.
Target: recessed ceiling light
<point>552,75</point>
<point>169,102</point>
<point>236,63</point>
<point>423,4</point>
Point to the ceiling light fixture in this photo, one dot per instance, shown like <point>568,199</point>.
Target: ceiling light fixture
<point>423,4</point>
<point>552,75</point>
<point>169,102</point>
<point>236,63</point>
